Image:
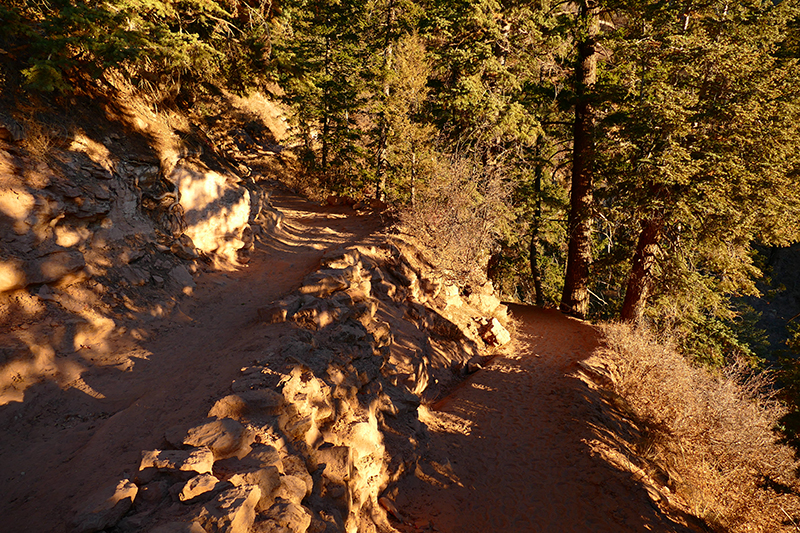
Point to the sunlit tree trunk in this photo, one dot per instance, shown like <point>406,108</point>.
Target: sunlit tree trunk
<point>640,278</point>
<point>575,298</point>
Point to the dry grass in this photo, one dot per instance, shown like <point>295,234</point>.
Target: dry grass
<point>457,215</point>
<point>710,435</point>
<point>41,138</point>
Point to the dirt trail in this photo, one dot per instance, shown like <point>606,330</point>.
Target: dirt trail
<point>57,446</point>
<point>509,447</point>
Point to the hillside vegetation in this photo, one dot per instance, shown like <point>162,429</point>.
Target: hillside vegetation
<point>633,162</point>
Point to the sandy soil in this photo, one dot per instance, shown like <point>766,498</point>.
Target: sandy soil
<point>510,447</point>
<point>61,443</point>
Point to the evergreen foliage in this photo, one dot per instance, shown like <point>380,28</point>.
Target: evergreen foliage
<point>152,41</point>
<point>699,157</point>
<point>673,125</point>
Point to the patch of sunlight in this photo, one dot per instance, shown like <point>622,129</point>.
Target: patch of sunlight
<point>441,422</point>
<point>11,275</point>
<point>95,151</point>
<point>68,237</point>
<point>16,204</point>
<point>198,189</point>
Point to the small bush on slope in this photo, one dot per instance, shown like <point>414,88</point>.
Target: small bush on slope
<point>459,213</point>
<point>712,434</point>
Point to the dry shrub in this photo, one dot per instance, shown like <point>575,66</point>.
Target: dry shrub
<point>712,435</point>
<point>40,139</point>
<point>458,214</point>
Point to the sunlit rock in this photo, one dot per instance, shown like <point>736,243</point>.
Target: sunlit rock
<point>106,507</point>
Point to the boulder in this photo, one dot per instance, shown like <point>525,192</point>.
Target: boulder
<point>260,401</point>
<point>232,511</point>
<point>493,333</point>
<point>292,488</point>
<point>284,517</point>
<point>294,466</point>
<point>106,507</point>
<point>264,455</point>
<point>200,460</point>
<point>216,209</point>
<point>152,493</point>
<point>197,486</point>
<point>268,479</point>
<point>224,437</point>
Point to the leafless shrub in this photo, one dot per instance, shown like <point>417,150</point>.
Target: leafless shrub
<point>40,139</point>
<point>711,434</point>
<point>459,213</point>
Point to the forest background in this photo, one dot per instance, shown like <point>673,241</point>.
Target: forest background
<point>632,160</point>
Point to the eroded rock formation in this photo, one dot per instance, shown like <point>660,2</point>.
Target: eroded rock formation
<point>311,438</point>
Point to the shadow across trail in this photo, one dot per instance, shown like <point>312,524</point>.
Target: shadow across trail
<point>509,447</point>
<point>60,445</point>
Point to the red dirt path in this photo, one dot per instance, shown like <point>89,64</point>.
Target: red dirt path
<point>509,449</point>
<point>60,445</point>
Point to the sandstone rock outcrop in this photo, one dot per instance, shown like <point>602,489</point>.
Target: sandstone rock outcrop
<point>106,508</point>
<point>310,439</point>
<point>200,460</point>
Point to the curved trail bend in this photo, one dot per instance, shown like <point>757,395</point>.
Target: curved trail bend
<point>59,446</point>
<point>509,447</point>
<point>507,450</point>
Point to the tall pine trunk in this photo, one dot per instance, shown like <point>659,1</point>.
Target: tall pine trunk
<point>640,278</point>
<point>536,272</point>
<point>575,298</point>
<point>380,158</point>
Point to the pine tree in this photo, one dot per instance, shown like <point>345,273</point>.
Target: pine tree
<point>699,152</point>
<point>321,59</point>
<point>575,298</point>
<point>167,41</point>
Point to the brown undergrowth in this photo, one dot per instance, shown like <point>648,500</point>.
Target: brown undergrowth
<point>708,438</point>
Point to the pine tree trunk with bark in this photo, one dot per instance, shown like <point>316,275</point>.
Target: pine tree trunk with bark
<point>575,297</point>
<point>533,251</point>
<point>640,278</point>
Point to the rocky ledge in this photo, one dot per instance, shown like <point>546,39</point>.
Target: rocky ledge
<point>312,438</point>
